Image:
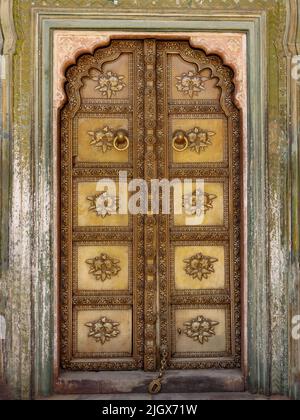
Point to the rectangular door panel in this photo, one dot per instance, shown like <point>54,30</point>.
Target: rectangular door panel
<point>200,266</point>
<point>88,212</point>
<point>206,139</point>
<point>103,332</point>
<point>215,206</point>
<point>100,267</point>
<point>95,135</point>
<point>189,341</point>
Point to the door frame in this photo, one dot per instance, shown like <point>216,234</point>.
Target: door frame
<point>63,381</point>
<point>33,176</point>
<point>196,379</point>
<point>65,112</point>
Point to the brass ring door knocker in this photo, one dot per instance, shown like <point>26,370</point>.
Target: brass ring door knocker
<point>180,141</point>
<point>121,141</point>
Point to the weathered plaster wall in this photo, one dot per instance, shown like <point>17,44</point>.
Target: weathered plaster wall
<point>273,188</point>
<point>293,95</point>
<point>7,47</point>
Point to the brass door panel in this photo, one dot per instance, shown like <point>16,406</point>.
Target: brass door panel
<point>85,211</point>
<point>199,266</point>
<point>213,130</point>
<point>117,341</point>
<point>102,267</point>
<point>102,255</point>
<point>199,137</point>
<point>212,340</point>
<point>95,135</point>
<point>132,284</point>
<point>215,206</point>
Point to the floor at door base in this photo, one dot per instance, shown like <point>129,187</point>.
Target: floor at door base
<point>212,396</point>
<point>185,381</point>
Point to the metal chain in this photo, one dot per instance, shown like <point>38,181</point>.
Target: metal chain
<point>156,384</point>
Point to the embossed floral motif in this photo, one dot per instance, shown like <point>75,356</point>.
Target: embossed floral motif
<point>199,139</point>
<point>103,330</point>
<point>102,139</point>
<point>109,83</point>
<point>200,266</point>
<point>191,83</point>
<point>195,139</point>
<point>103,204</point>
<point>198,203</point>
<point>104,267</point>
<point>200,329</point>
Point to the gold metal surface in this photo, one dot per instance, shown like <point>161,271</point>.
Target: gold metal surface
<point>102,260</point>
<point>195,92</point>
<point>204,331</point>
<point>199,267</point>
<point>96,136</point>
<point>156,109</point>
<point>102,266</point>
<point>206,138</point>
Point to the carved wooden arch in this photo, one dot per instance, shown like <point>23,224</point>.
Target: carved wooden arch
<point>76,72</point>
<point>220,70</point>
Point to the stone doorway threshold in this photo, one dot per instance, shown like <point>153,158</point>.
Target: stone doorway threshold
<point>174,382</point>
<point>223,396</point>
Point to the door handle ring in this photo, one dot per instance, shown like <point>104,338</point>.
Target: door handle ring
<point>180,141</point>
<point>121,141</point>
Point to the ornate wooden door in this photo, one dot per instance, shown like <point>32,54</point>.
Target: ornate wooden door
<point>134,284</point>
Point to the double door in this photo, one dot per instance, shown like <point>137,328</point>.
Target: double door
<point>134,285</point>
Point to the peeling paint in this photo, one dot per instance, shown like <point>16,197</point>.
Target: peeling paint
<point>2,328</point>
<point>28,314</point>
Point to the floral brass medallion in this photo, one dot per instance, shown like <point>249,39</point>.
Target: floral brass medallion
<point>200,329</point>
<point>103,330</point>
<point>102,139</point>
<point>198,203</point>
<point>199,139</point>
<point>104,267</point>
<point>191,83</point>
<point>109,84</point>
<point>196,140</point>
<point>106,139</point>
<point>200,266</point>
<point>103,204</point>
